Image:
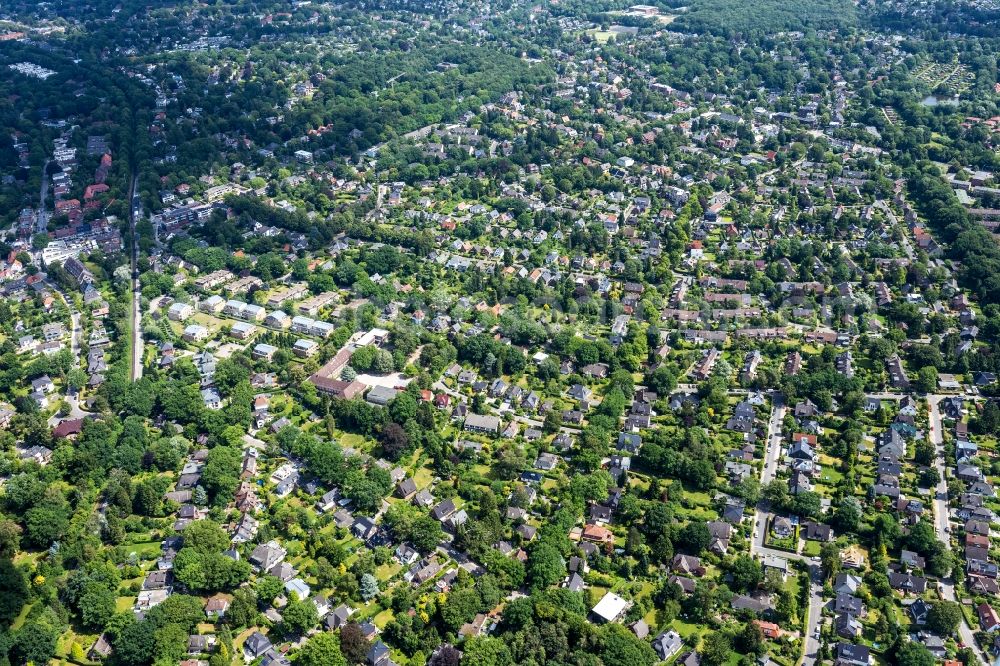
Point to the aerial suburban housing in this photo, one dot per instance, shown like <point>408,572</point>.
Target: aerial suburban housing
<point>492,333</point>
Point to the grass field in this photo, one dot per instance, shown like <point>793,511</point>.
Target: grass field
<point>423,477</point>
<point>616,31</point>
<point>685,629</point>
<point>831,476</point>
<point>383,618</point>
<point>19,620</point>
<point>146,550</point>
<point>387,571</point>
<point>352,440</point>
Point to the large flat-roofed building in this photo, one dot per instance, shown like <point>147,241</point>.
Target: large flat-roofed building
<point>610,608</point>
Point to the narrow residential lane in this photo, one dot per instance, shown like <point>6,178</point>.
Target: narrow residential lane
<point>941,515</point>
<point>772,455</point>
<point>76,335</point>
<point>762,516</point>
<point>136,310</point>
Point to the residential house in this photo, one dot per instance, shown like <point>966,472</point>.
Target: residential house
<point>687,564</point>
<point>849,654</point>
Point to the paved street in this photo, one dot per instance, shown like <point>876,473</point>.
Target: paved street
<point>812,646</point>
<point>762,516</point>
<point>42,221</point>
<point>941,514</point>
<point>907,245</point>
<point>136,315</point>
<point>772,455</point>
<point>76,333</point>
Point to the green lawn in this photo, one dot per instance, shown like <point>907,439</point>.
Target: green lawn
<point>352,440</point>
<point>793,584</point>
<point>702,499</point>
<point>831,476</point>
<point>387,571</point>
<point>383,618</point>
<point>146,550</point>
<point>602,36</point>
<point>19,620</point>
<point>790,544</point>
<point>423,477</point>
<point>685,629</point>
<point>698,514</point>
<point>596,592</point>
